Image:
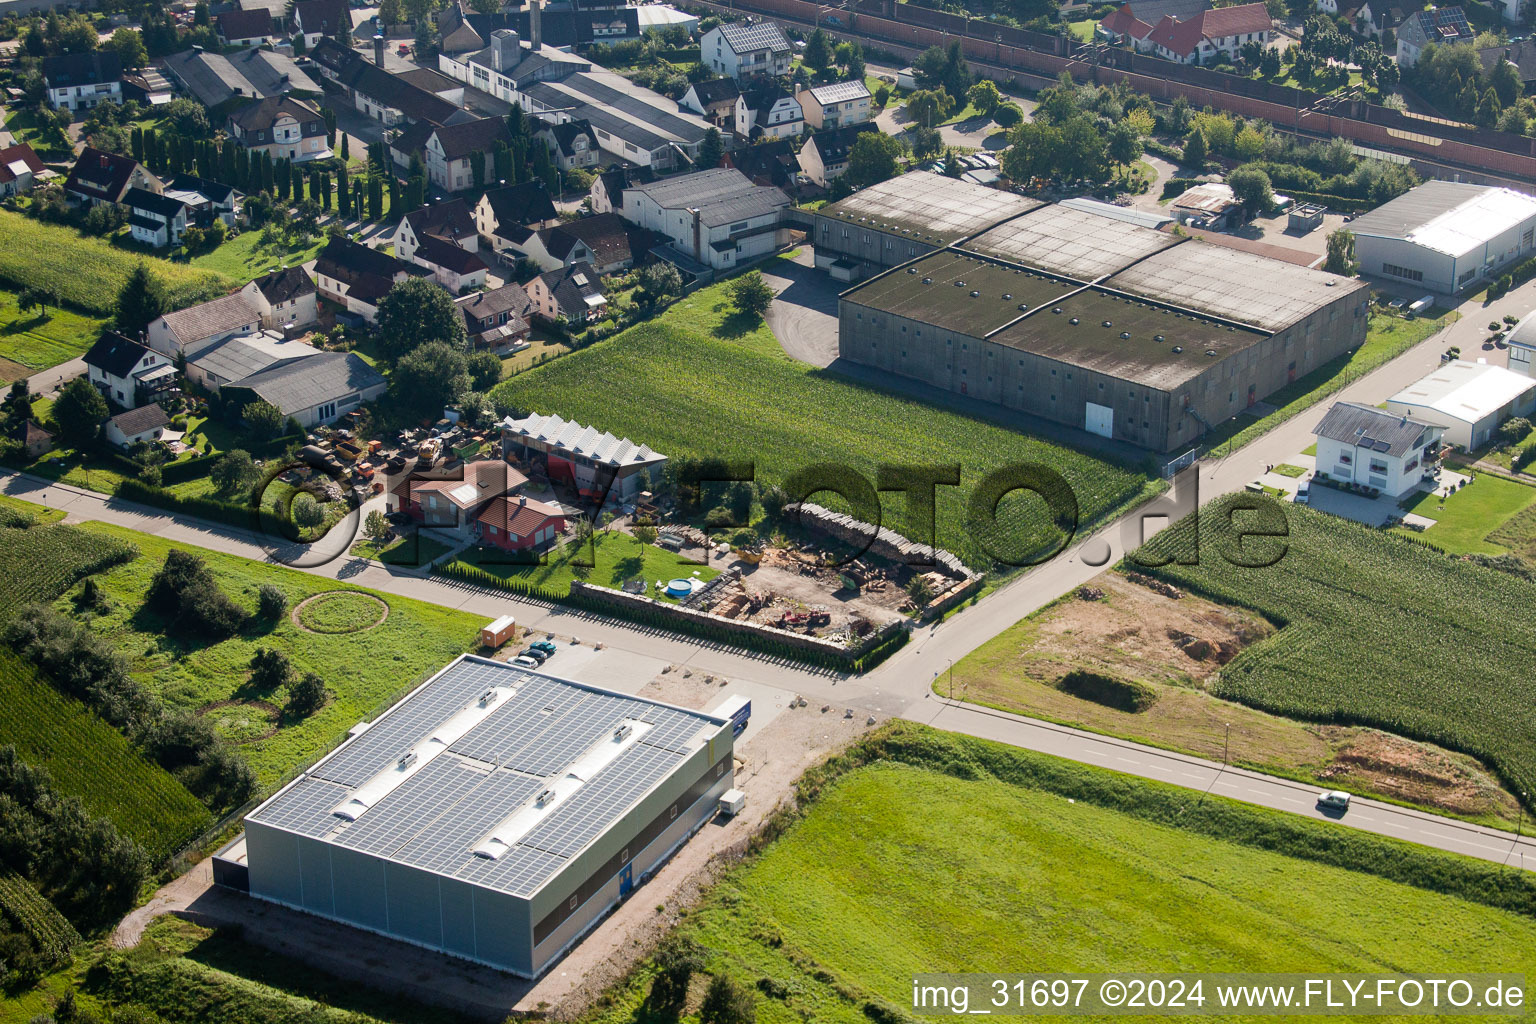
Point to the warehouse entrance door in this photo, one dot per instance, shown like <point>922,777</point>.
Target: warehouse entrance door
<point>626,879</point>
<point>1100,419</point>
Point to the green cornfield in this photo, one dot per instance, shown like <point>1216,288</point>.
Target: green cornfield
<point>87,272</point>
<point>40,563</point>
<point>689,389</point>
<point>1377,630</point>
<point>27,911</point>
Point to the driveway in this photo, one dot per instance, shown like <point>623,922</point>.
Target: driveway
<point>804,315</point>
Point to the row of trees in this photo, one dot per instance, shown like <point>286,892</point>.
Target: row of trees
<point>1454,80</point>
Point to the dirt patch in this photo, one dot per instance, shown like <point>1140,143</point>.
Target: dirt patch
<point>1415,772</point>
<point>11,370</point>
<point>1131,631</point>
<point>258,722</point>
<point>297,614</point>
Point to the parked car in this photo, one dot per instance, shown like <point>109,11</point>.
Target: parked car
<point>525,661</point>
<point>535,653</point>
<point>545,646</point>
<point>1333,799</point>
<point>1304,492</point>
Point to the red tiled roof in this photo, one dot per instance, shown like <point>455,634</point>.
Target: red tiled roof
<point>518,516</point>
<point>1182,37</point>
<point>1123,23</point>
<point>490,478</point>
<point>22,153</point>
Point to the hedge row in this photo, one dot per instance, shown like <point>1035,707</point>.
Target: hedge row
<point>191,469</point>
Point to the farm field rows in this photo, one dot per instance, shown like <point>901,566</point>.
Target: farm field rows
<point>88,272</point>
<point>1410,620</point>
<point>37,341</point>
<point>701,382</point>
<point>44,561</point>
<point>883,878</point>
<point>361,669</point>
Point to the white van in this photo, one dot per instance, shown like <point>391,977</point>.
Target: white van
<point>1304,491</point>
<point>1334,799</point>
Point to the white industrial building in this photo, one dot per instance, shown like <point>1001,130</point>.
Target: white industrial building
<point>1522,345</point>
<point>1468,400</point>
<point>716,217</point>
<point>1445,236</point>
<point>494,814</point>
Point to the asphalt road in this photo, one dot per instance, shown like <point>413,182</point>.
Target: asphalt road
<point>902,686</point>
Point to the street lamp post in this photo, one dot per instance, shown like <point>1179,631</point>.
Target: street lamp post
<point>1226,746</point>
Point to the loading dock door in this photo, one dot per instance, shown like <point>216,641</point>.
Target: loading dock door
<point>1100,419</point>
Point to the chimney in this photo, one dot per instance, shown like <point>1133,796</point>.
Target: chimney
<point>378,49</point>
<point>698,236</point>
<point>535,32</point>
<point>504,49</point>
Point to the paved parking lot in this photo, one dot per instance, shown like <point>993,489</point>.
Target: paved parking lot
<point>804,315</point>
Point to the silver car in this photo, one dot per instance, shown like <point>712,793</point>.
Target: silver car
<point>1334,799</point>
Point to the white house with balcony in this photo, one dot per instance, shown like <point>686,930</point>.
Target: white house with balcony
<point>1360,444</point>
<point>740,50</point>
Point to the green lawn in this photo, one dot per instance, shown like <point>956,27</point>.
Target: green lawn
<point>1082,30</point>
<point>619,557</point>
<point>702,381</point>
<point>39,340</point>
<point>954,855</point>
<point>361,670</point>
<point>245,258</point>
<point>88,272</point>
<point>1388,337</point>
<point>1464,520</point>
<point>408,551</point>
<point>541,348</point>
<point>43,136</point>
<point>39,513</point>
<point>1286,469</point>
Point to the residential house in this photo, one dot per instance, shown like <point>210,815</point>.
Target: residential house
<point>155,219</point>
<point>498,319</point>
<point>206,201</point>
<point>286,298</point>
<point>607,192</point>
<point>409,144</point>
<point>450,220</point>
<point>314,390</point>
<point>1522,55</point>
<point>214,79</point>
<point>315,18</point>
<point>1200,39</point>
<point>1468,401</point>
<point>280,127</point>
<point>1122,26</point>
<point>768,109</point>
<point>454,268</point>
<point>716,217</point>
<point>606,240</point>
<point>837,105</point>
<point>771,162</point>
<point>173,334</point>
<point>101,177</point>
<point>398,99</point>
<point>218,363</point>
<point>631,123</point>
<point>36,441</point>
<point>1360,444</point>
<point>824,157</point>
<point>127,373</point>
<point>571,144</point>
<point>245,28</point>
<point>598,464</point>
<point>1376,20</point>
<point>1513,11</point>
<point>20,168</point>
<point>1443,26</point>
<point>79,81</point>
<point>520,524</point>
<point>714,100</point>
<point>568,295</point>
<point>450,149</point>
<point>455,502</point>
<point>357,277</point>
<point>136,426</point>
<point>506,216</point>
<point>147,87</point>
<point>743,50</point>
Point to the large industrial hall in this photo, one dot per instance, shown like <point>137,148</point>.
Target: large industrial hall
<point>1117,329</point>
<point>494,813</point>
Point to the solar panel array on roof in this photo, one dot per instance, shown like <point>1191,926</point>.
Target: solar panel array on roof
<point>520,733</point>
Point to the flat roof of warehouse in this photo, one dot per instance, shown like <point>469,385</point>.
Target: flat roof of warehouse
<point>929,207</point>
<point>1144,343</point>
<point>490,774</point>
<point>1267,294</point>
<point>1449,217</point>
<point>937,289</point>
<point>1074,243</point>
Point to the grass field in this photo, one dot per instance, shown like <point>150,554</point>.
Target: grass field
<point>701,381</point>
<point>45,138</point>
<point>619,557</point>
<point>88,272</point>
<point>1389,336</point>
<point>38,341</point>
<point>882,879</point>
<point>407,551</point>
<point>1412,621</point>
<point>245,258</point>
<point>361,670</point>
<point>1465,521</point>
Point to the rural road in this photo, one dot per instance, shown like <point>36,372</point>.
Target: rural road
<point>902,686</point>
